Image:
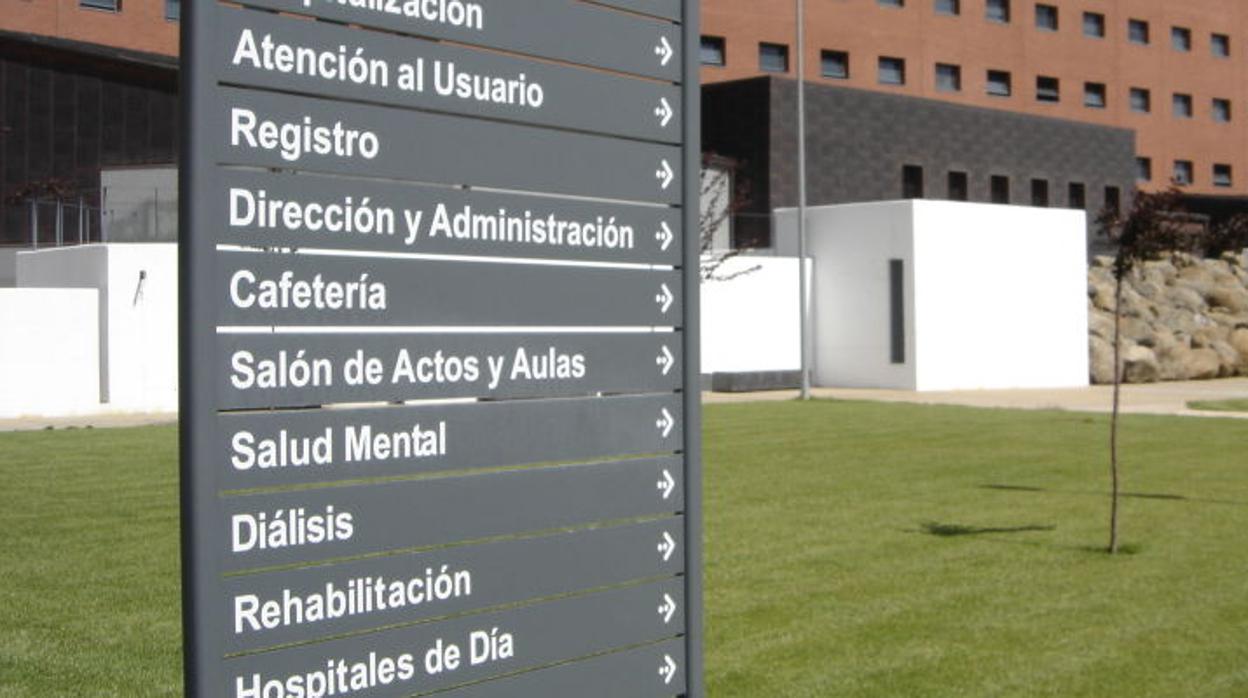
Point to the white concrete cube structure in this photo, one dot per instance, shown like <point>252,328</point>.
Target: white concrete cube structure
<point>137,309</point>
<point>992,296</point>
<point>49,358</point>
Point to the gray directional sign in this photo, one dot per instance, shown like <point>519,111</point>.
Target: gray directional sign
<point>440,423</point>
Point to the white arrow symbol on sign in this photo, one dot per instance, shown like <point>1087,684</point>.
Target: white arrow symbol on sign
<point>668,670</point>
<point>667,484</point>
<point>667,609</point>
<point>665,236</point>
<point>665,423</point>
<point>664,298</point>
<point>664,111</point>
<point>667,546</point>
<point>664,51</point>
<point>666,360</point>
<point>665,175</point>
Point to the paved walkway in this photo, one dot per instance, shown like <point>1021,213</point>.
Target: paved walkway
<point>101,421</point>
<point>1156,398</point>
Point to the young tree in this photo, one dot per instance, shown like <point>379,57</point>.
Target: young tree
<point>1152,227</point>
<point>722,197</point>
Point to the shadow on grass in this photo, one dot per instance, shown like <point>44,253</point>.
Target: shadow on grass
<point>946,530</point>
<point>1124,549</point>
<point>1129,495</point>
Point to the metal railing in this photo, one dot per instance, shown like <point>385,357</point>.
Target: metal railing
<point>104,215</point>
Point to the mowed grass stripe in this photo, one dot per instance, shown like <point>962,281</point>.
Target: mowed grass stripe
<point>853,549</point>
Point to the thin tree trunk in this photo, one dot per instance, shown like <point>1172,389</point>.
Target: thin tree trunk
<point>1113,420</point>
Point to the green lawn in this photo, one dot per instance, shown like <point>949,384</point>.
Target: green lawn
<point>853,550</point>
<point>1220,405</point>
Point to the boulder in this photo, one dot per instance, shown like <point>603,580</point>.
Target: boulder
<point>1202,364</point>
<point>1206,337</point>
<point>1101,360</point>
<point>1228,359</point>
<point>1101,324</point>
<point>1140,365</point>
<point>1231,297</point>
<point>1239,342</point>
<point>1102,294</point>
<point>1184,298</point>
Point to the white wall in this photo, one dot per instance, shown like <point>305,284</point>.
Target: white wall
<point>49,358</point>
<point>750,322</point>
<point>995,295</point>
<point>137,310</point>
<point>851,246</point>
<point>1000,296</point>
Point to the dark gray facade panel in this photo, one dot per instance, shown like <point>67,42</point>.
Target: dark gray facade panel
<point>293,210</point>
<point>540,635</point>
<point>244,128</point>
<point>263,288</point>
<point>480,576</point>
<point>268,449</point>
<point>435,76</point>
<point>407,367</point>
<point>280,528</point>
<point>567,30</point>
<point>859,140</point>
<point>644,672</point>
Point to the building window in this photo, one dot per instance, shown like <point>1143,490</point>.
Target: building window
<point>1220,45</point>
<point>998,11</point>
<point>959,189</point>
<point>1040,193</point>
<point>773,58</point>
<point>1113,200</point>
<point>1182,106</point>
<point>109,5</point>
<point>892,3</point>
<point>911,182</point>
<point>173,10</point>
<point>897,310</point>
<point>892,71</point>
<point>1094,95</point>
<point>948,77</point>
<point>999,83</point>
<point>1046,17</point>
<point>1181,39</point>
<point>949,7</point>
<point>835,64</point>
<point>713,52</point>
<point>1094,25</point>
<point>1141,100</point>
<point>1221,110</point>
<point>1144,169</point>
<point>1076,196</point>
<point>999,189</point>
<point>1183,172</point>
<point>1048,89</point>
<point>1137,31</point>
<point>1222,176</point>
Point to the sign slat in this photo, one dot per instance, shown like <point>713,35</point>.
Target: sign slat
<point>259,371</point>
<point>262,129</point>
<point>307,526</point>
<point>315,446</point>
<point>567,30</point>
<point>267,610</point>
<point>320,212</point>
<point>305,290</point>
